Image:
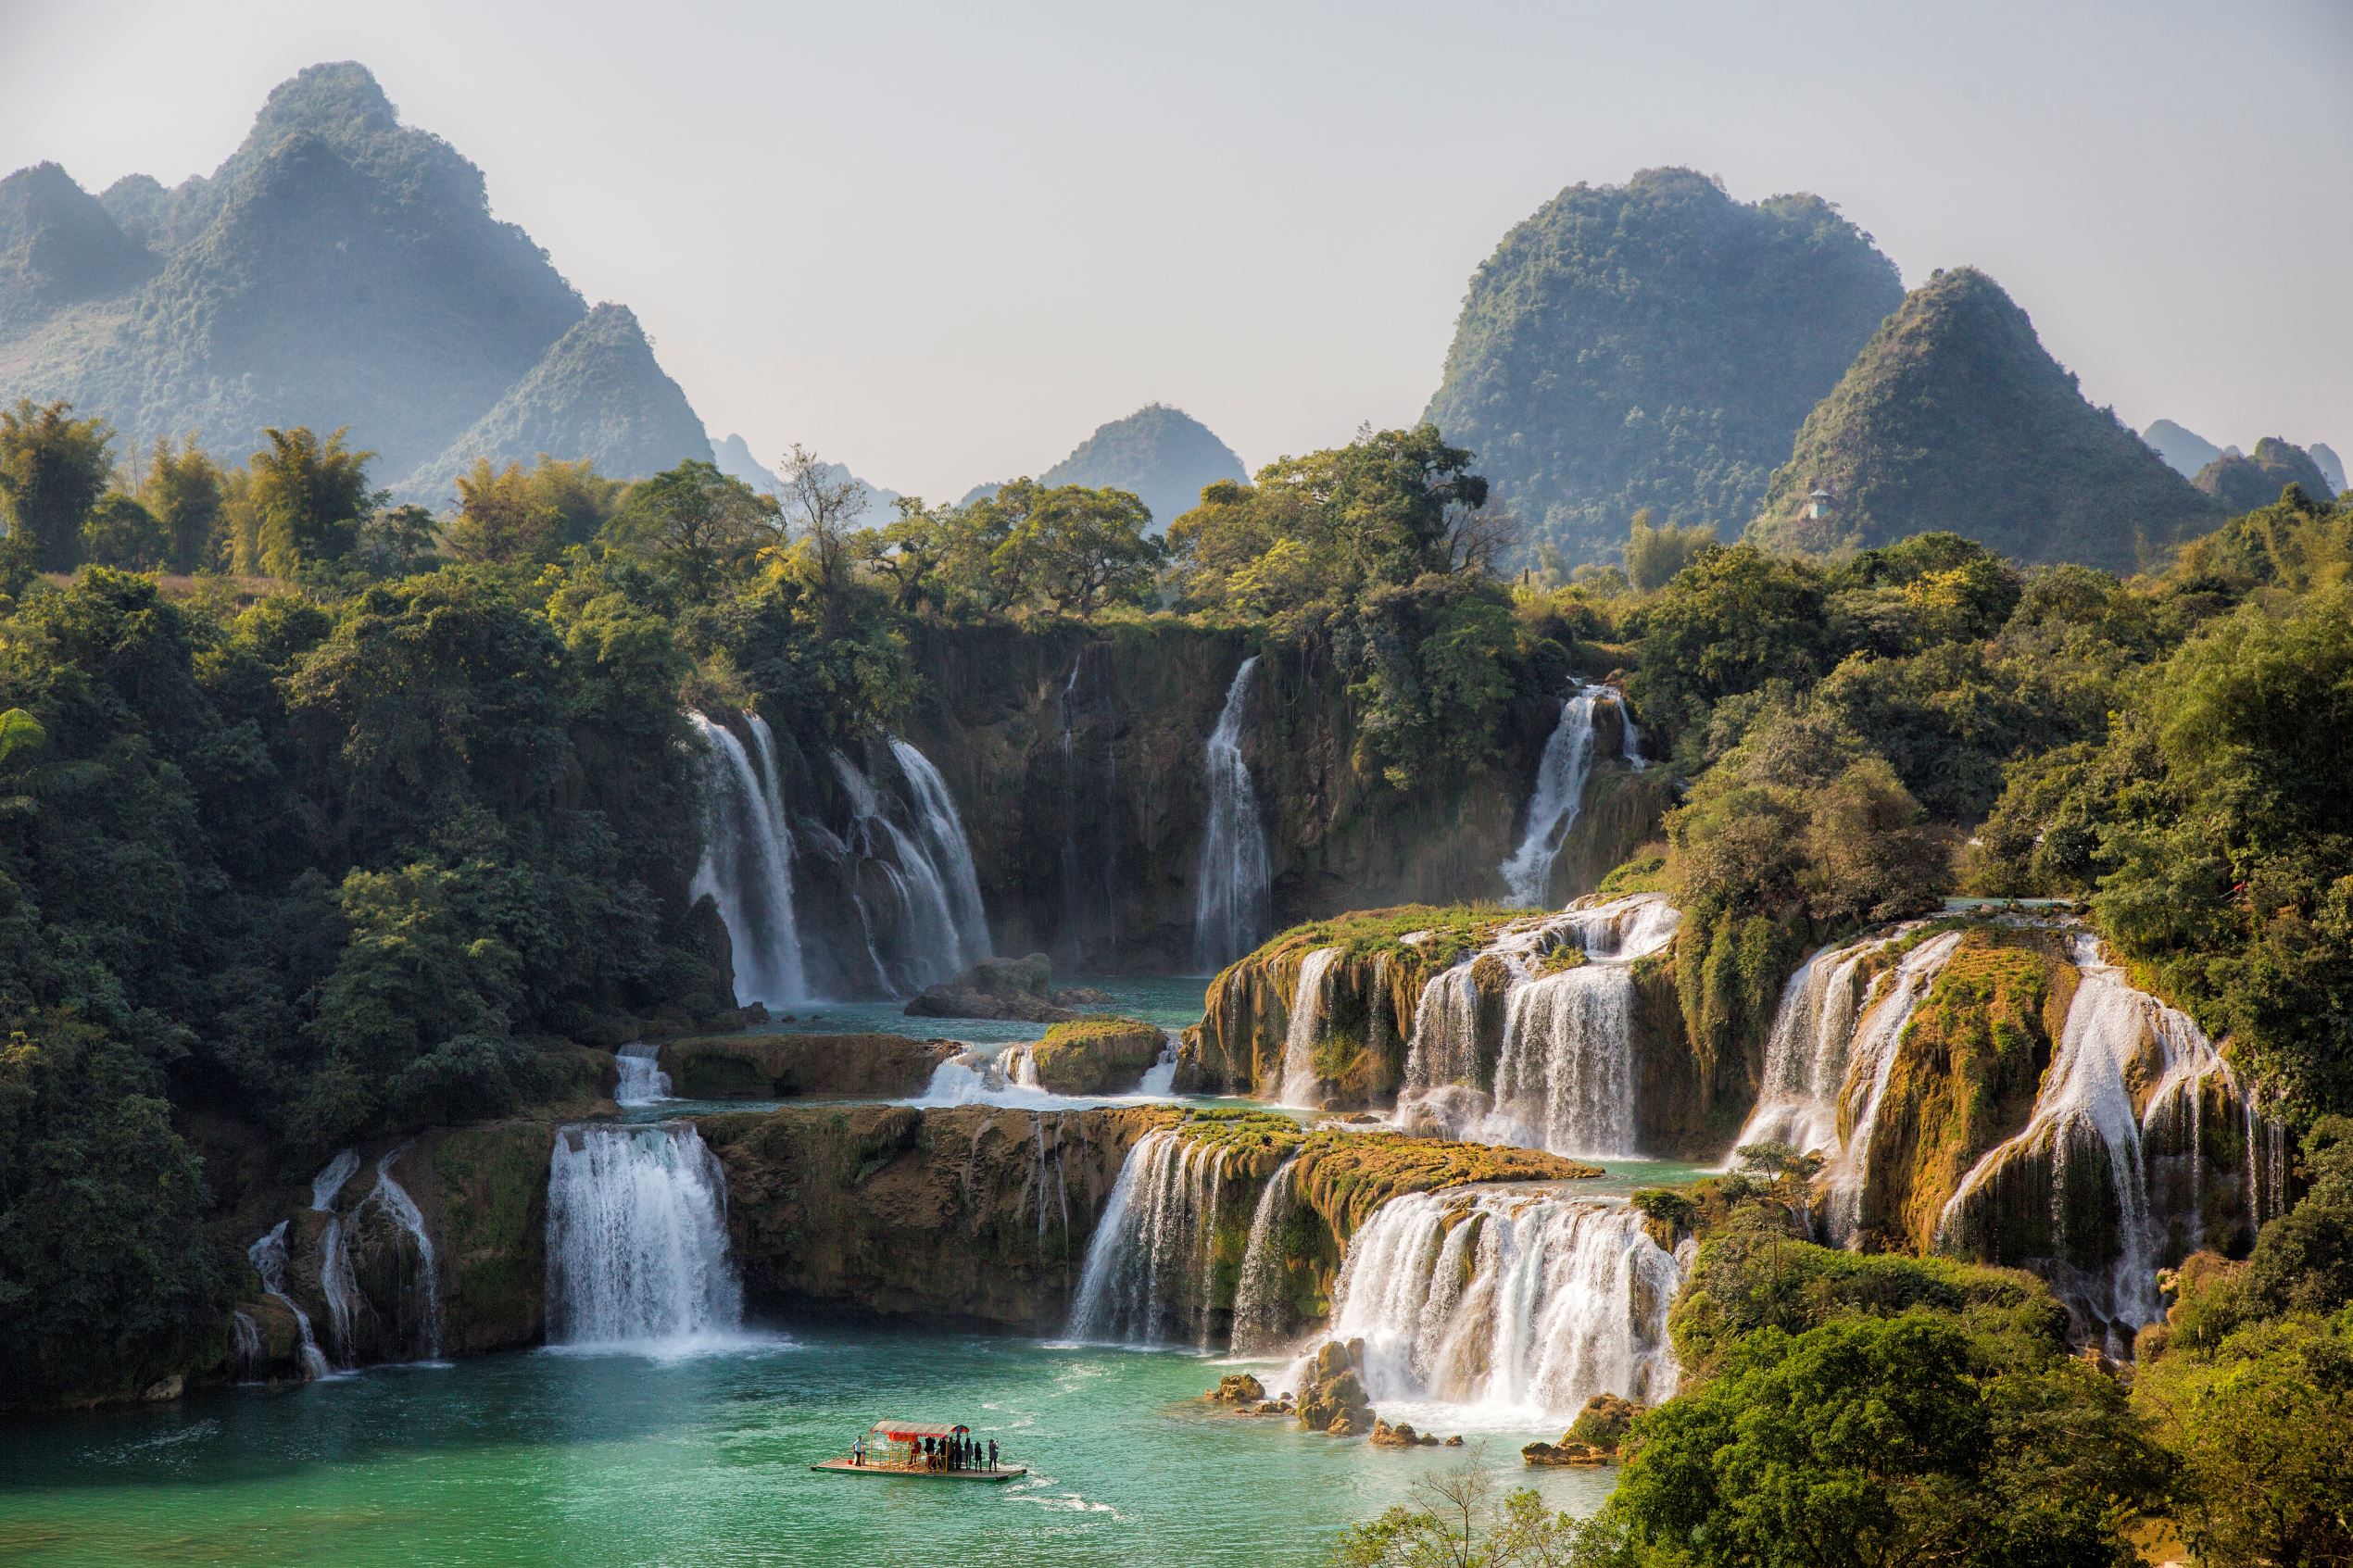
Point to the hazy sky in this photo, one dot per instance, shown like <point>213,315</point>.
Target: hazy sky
<point>943,242</point>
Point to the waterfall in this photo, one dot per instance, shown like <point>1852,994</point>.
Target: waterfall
<point>638,1249</point>
<point>268,1258</point>
<point>942,832</point>
<point>1629,736</point>
<point>2115,1039</point>
<point>1078,920</point>
<point>1806,1054</point>
<point>1160,1078</point>
<point>1147,1275</point>
<point>932,945</point>
<point>642,1081</point>
<point>1258,1319</point>
<point>746,863</point>
<point>391,1199</point>
<point>1868,1058</point>
<point>335,1282</point>
<point>1565,1076</point>
<point>1517,1302</point>
<point>1309,1005</point>
<point>1553,805</point>
<point>245,1344</point>
<point>1231,910</point>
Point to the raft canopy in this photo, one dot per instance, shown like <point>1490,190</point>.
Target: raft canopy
<point>916,1431</point>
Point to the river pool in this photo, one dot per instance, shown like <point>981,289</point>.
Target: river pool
<point>581,1461</point>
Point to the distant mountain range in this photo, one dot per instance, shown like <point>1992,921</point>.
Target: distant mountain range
<point>1954,416</point>
<point>2241,481</point>
<point>2191,454</point>
<point>340,268</point>
<point>734,458</point>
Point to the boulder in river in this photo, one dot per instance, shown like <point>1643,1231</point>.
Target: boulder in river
<point>1021,990</point>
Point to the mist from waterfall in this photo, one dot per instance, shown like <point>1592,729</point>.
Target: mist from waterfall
<point>1517,1304</point>
<point>637,1246</point>
<point>1565,1068</point>
<point>746,867</point>
<point>1147,1279</point>
<point>1553,805</point>
<point>1232,912</point>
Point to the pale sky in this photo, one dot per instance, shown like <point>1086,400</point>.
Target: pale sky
<point>942,241</point>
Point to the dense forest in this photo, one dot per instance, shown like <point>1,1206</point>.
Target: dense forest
<point>323,817</point>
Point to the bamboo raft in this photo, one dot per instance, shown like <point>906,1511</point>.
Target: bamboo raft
<point>900,1452</point>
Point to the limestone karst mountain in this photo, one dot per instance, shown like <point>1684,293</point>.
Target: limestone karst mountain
<point>340,268</point>
<point>2241,481</point>
<point>1161,455</point>
<point>1654,344</point>
<point>2184,450</point>
<point>1954,416</point>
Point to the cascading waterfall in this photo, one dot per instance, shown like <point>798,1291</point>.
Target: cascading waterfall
<point>1516,1302</point>
<point>389,1198</point>
<point>641,1080</point>
<point>746,863</point>
<point>245,1343</point>
<point>941,829</point>
<point>1309,1005</point>
<point>638,1248</point>
<point>1160,1078</point>
<point>1553,806</point>
<point>1231,910</point>
<point>335,1281</point>
<point>1565,1074</point>
<point>268,1256</point>
<point>1629,736</point>
<point>1258,1306</point>
<point>1147,1275</point>
<point>2108,1251</point>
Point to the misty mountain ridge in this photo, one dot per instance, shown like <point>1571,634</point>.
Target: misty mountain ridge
<point>339,268</point>
<point>1161,454</point>
<point>734,458</point>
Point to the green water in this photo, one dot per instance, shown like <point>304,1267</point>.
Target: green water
<point>1173,1002</point>
<point>538,1458</point>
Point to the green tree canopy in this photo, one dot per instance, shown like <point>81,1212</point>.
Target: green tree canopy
<point>53,468</point>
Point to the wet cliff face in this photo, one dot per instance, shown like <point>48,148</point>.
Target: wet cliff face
<point>971,1211</point>
<point>1077,757</point>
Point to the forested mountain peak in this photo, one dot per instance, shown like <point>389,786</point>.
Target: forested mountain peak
<point>598,390</point>
<point>339,268</point>
<point>2184,450</point>
<point>1161,455</point>
<point>58,245</point>
<point>1953,417</point>
<point>1654,344</point>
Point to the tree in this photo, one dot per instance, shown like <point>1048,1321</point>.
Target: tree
<point>820,514</point>
<point>911,551</point>
<point>1885,1442</point>
<point>120,533</point>
<point>1456,1523</point>
<point>395,542</point>
<point>53,468</point>
<point>183,490</point>
<point>696,524</point>
<point>309,497</point>
<point>1070,548</point>
<point>1654,555</point>
<point>500,520</point>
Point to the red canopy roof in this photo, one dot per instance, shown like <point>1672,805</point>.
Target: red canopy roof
<point>909,1431</point>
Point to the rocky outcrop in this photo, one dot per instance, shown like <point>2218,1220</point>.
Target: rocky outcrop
<point>970,1212</point>
<point>1095,1056</point>
<point>803,1066</point>
<point>1076,755</point>
<point>1332,1394</point>
<point>1019,989</point>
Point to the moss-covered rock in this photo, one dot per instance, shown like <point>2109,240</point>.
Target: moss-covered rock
<point>803,1066</point>
<point>1096,1056</point>
<point>483,1195</point>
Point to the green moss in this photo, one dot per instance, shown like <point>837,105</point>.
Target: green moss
<point>1644,874</point>
<point>1096,1054</point>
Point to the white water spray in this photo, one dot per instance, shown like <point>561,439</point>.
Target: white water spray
<point>642,1081</point>
<point>1553,806</point>
<point>1309,1006</point>
<point>268,1256</point>
<point>1258,1305</point>
<point>1147,1275</point>
<point>1508,1301</point>
<point>746,863</point>
<point>638,1249</point>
